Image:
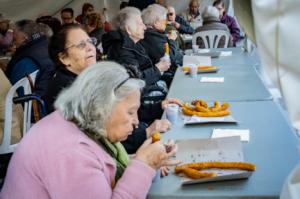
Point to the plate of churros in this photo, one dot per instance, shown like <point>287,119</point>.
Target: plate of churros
<point>207,160</point>
<point>201,69</point>
<point>199,112</point>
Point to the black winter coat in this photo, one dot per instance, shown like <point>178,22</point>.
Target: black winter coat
<point>154,44</point>
<point>120,47</point>
<point>61,79</point>
<point>37,51</point>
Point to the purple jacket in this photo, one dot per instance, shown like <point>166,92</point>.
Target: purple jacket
<point>56,160</point>
<point>233,27</point>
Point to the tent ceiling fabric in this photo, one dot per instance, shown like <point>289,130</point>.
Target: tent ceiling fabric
<point>28,9</point>
<point>31,9</point>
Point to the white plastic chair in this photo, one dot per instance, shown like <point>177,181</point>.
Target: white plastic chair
<point>211,38</point>
<point>6,146</point>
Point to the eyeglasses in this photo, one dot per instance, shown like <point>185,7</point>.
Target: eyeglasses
<point>83,44</point>
<point>170,14</point>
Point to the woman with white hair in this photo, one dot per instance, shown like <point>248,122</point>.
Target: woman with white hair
<point>81,155</point>
<point>155,19</point>
<point>122,46</point>
<point>211,21</point>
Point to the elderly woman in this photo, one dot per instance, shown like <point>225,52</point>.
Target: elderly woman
<point>155,17</point>
<point>72,50</point>
<point>87,8</point>
<point>94,26</point>
<point>31,55</point>
<point>81,155</point>
<point>122,46</point>
<point>228,20</point>
<point>212,22</point>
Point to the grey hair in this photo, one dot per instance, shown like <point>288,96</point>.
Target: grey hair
<point>44,29</point>
<point>28,27</point>
<point>153,13</point>
<point>89,101</point>
<point>126,18</point>
<point>211,11</point>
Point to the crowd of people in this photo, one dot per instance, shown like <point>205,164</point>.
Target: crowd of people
<point>104,86</point>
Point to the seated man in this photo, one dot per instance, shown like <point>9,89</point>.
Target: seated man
<point>192,15</point>
<point>212,22</point>
<point>228,20</point>
<point>67,16</point>
<point>178,22</point>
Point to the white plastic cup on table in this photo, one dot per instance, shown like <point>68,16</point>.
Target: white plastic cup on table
<point>193,70</point>
<point>195,48</point>
<point>172,112</point>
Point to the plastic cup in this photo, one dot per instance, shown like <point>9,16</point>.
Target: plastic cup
<point>195,48</point>
<point>172,113</point>
<point>193,70</point>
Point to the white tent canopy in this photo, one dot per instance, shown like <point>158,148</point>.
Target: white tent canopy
<point>31,9</point>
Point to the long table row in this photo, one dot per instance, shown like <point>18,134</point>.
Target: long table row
<point>272,146</point>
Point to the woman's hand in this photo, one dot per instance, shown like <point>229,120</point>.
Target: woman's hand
<point>164,171</point>
<point>156,155</point>
<point>163,65</point>
<point>167,101</point>
<point>158,125</point>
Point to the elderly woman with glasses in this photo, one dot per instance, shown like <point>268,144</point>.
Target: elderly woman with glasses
<point>76,153</point>
<point>72,50</point>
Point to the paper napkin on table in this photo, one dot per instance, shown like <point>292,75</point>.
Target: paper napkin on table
<point>243,133</point>
<point>226,53</point>
<point>212,79</point>
<point>197,60</point>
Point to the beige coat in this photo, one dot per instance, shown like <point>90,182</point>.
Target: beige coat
<point>17,111</point>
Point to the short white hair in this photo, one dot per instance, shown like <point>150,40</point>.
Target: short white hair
<point>153,13</point>
<point>89,101</point>
<point>210,11</point>
<point>126,18</point>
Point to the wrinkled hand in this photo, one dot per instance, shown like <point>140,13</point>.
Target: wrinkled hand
<point>177,25</point>
<point>164,171</point>
<point>155,155</point>
<point>167,101</point>
<point>158,125</point>
<point>163,65</point>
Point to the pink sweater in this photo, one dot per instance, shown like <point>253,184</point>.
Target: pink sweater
<point>56,160</point>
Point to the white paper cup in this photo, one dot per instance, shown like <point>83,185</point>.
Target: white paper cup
<point>193,70</point>
<point>195,48</point>
<point>172,113</point>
